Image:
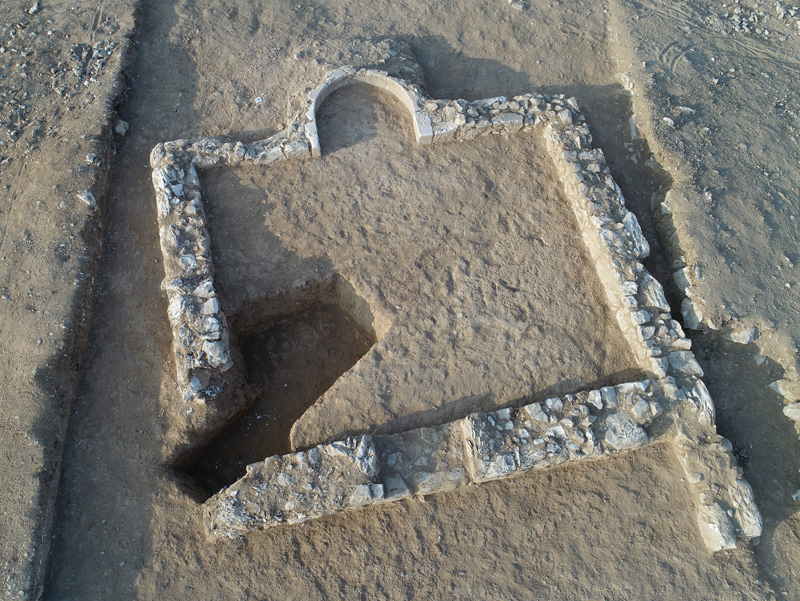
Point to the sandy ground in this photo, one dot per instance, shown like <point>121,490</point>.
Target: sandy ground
<point>125,526</point>
<point>55,111</point>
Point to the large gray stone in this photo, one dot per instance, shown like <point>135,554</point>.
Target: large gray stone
<point>715,528</point>
<point>422,461</point>
<point>623,433</point>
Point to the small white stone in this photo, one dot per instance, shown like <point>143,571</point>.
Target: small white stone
<point>640,410</point>
<point>211,306</point>
<point>205,289</point>
<point>792,411</point>
<point>609,396</point>
<point>742,335</point>
<point>87,197</point>
<point>692,316</point>
<point>788,389</point>
<point>121,128</point>
<point>596,399</point>
<point>647,332</point>
<point>195,385</point>
<point>554,404</point>
<point>216,352</point>
<point>695,477</point>
<point>681,278</point>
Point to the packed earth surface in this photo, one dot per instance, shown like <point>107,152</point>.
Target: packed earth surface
<point>479,291</point>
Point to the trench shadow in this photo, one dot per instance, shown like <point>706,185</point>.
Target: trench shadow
<point>60,379</point>
<point>112,448</point>
<point>750,415</point>
<point>644,182</point>
<point>449,73</point>
<point>290,362</point>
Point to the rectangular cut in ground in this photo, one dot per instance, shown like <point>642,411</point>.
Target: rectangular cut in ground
<point>468,254</point>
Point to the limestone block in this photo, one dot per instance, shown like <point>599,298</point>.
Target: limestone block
<point>481,127</point>
<point>423,128</point>
<point>508,122</point>
<point>373,77</point>
<point>297,487</point>
<point>342,73</point>
<point>426,460</point>
<point>312,136</point>
<point>715,528</point>
<point>623,433</point>
<point>395,489</point>
<point>296,148</point>
<point>684,362</point>
<point>444,131</point>
<point>651,293</point>
<point>746,517</point>
<point>271,154</point>
<point>702,400</point>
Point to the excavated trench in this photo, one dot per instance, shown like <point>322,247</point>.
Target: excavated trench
<point>290,360</point>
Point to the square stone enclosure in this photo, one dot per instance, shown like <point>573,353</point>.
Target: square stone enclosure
<point>671,404</point>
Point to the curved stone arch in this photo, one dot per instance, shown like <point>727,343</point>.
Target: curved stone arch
<point>410,96</point>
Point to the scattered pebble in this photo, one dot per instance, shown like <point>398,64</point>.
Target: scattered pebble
<point>87,197</point>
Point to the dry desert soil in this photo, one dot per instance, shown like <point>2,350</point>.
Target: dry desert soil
<point>481,291</point>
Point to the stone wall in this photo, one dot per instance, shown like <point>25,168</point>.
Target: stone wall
<point>673,405</point>
<point>363,470</point>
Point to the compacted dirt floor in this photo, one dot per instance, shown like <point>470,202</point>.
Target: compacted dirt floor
<point>479,290</point>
